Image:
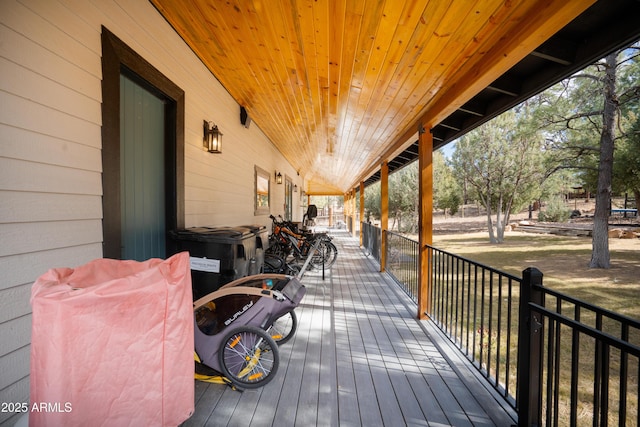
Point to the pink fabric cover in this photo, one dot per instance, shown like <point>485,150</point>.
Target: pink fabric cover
<point>112,344</point>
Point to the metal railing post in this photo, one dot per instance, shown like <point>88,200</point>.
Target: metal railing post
<point>530,334</point>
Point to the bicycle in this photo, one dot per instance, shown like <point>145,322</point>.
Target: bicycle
<point>284,242</point>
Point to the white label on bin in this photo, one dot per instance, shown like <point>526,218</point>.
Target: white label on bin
<point>204,264</point>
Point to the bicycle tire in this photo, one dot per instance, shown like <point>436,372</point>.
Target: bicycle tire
<point>326,254</point>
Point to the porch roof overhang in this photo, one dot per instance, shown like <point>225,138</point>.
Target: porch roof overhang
<point>339,87</point>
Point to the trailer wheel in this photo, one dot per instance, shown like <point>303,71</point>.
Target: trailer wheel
<point>284,327</point>
<point>248,357</point>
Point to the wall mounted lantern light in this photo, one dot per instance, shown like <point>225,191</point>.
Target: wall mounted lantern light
<point>278,178</point>
<point>212,140</point>
<point>295,188</point>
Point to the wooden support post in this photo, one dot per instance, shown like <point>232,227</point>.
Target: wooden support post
<point>351,215</point>
<point>330,216</point>
<point>345,209</point>
<point>384,212</point>
<point>354,223</point>
<point>361,211</point>
<point>425,218</point>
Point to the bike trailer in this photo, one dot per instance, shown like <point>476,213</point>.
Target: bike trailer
<point>230,330</point>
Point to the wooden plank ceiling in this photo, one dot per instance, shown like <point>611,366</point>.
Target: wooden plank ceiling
<point>341,85</point>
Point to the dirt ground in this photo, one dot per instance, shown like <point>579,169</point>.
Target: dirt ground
<point>472,218</point>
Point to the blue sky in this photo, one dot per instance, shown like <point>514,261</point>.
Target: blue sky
<point>448,149</point>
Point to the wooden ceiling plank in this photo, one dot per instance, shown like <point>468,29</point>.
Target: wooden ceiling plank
<point>304,54</point>
<point>354,12</point>
<point>312,57</point>
<point>321,13</point>
<point>245,23</point>
<point>411,17</point>
<point>285,51</point>
<point>371,15</point>
<point>205,37</point>
<point>504,20</point>
<point>322,56</point>
<point>353,16</point>
<point>336,31</point>
<point>502,16</point>
<point>266,38</point>
<point>445,23</point>
<point>547,19</point>
<point>413,65</point>
<point>374,83</point>
<point>337,85</point>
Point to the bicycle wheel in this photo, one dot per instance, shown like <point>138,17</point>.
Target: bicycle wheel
<point>284,327</point>
<point>326,253</point>
<point>332,253</point>
<point>249,357</point>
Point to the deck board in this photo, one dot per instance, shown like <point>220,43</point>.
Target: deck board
<point>359,358</point>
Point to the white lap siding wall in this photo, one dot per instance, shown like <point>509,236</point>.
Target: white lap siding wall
<point>50,149</point>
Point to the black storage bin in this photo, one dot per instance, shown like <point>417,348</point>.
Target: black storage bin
<point>219,255</point>
<point>256,265</point>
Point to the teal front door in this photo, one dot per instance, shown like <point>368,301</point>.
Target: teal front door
<point>142,172</point>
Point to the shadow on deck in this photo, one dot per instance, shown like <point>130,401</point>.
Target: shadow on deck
<point>359,358</point>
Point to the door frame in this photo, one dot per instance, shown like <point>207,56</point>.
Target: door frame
<point>119,58</point>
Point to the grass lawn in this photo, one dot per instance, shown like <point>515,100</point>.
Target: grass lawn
<point>564,263</point>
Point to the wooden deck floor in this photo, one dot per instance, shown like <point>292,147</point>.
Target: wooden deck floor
<point>359,358</point>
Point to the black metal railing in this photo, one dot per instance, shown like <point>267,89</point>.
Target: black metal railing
<point>371,239</point>
<point>403,262</point>
<point>580,363</point>
<point>583,361</point>
<point>476,306</point>
<point>473,304</point>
